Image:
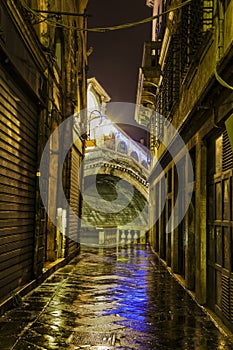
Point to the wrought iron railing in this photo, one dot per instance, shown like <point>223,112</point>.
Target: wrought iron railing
<point>166,88</point>
<point>196,20</point>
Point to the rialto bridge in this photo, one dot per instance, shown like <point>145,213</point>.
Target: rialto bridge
<point>115,195</point>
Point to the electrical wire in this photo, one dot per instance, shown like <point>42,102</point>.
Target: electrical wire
<point>51,22</point>
<point>133,24</point>
<point>221,81</point>
<point>105,29</point>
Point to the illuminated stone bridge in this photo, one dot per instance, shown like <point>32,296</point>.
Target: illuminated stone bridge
<point>115,196</point>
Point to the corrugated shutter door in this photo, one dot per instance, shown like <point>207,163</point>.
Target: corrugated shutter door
<point>18,149</point>
<point>74,198</point>
<point>227,155</point>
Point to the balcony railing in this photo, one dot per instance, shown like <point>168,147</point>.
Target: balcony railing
<point>196,20</point>
<point>150,63</point>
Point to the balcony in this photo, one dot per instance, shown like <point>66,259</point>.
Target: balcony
<point>150,63</point>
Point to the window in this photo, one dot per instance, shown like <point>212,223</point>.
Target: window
<point>58,47</point>
<point>122,147</point>
<point>134,155</point>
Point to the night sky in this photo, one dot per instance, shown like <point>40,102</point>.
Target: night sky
<point>117,55</point>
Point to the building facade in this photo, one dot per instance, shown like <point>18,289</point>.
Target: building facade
<point>194,94</point>
<point>43,82</point>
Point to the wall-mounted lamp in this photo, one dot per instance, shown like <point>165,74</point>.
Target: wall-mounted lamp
<point>90,119</point>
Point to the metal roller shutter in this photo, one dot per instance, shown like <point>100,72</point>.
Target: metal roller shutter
<point>18,150</point>
<point>76,159</point>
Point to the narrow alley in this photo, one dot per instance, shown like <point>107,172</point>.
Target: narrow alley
<point>116,128</point>
<point>108,299</point>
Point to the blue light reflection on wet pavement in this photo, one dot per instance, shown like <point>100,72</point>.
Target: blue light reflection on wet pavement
<point>109,300</point>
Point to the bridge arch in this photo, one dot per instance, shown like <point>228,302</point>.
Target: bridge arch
<point>128,174</point>
<point>123,206</point>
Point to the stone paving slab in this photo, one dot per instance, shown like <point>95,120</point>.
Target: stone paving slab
<point>103,300</point>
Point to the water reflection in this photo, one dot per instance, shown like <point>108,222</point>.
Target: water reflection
<point>151,303</point>
<point>105,300</point>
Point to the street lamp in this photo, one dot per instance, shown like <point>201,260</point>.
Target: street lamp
<point>91,142</point>
<point>90,119</point>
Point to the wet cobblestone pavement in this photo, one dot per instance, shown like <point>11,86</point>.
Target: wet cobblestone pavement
<point>103,300</point>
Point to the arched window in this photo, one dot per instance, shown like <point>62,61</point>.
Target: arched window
<point>134,155</point>
<point>122,147</point>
